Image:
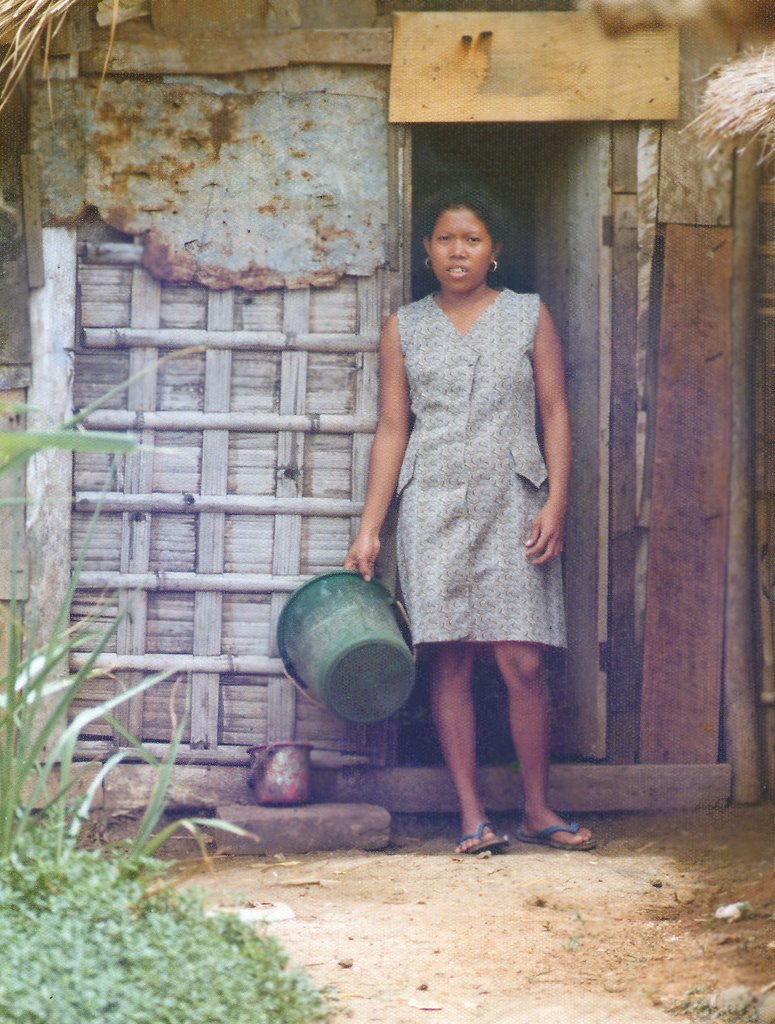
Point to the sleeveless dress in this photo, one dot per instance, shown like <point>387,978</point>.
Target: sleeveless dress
<point>473,478</point>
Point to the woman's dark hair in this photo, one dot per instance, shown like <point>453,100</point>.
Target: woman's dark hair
<point>487,208</point>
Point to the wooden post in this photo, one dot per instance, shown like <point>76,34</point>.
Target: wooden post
<point>49,473</point>
<point>588,338</point>
<point>740,725</point>
<point>765,447</point>
<point>624,665</point>
<point>573,275</point>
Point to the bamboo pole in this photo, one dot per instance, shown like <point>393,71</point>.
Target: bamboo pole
<point>127,254</point>
<point>179,337</point>
<point>191,582</point>
<point>227,756</point>
<point>234,504</point>
<point>124,419</point>
<point>240,665</point>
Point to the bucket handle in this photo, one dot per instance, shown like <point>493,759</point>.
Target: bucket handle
<point>402,614</point>
<point>287,672</point>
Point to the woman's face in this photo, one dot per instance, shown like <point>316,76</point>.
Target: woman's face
<point>460,250</point>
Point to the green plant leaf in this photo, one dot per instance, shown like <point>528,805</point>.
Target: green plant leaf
<point>31,441</point>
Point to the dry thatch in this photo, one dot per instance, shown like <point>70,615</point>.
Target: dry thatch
<point>739,103</point>
<point>729,16</point>
<point>27,27</point>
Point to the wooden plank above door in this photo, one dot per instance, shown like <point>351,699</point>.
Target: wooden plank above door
<point>528,66</point>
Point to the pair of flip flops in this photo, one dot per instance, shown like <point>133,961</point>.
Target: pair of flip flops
<point>545,837</point>
<point>494,844</point>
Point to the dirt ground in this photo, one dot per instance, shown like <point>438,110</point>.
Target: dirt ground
<point>623,935</point>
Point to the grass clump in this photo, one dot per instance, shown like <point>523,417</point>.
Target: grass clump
<point>86,941</point>
<point>102,937</point>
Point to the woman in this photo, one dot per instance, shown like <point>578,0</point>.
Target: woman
<point>481,521</point>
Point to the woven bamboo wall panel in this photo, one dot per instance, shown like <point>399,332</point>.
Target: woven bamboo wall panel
<point>173,544</point>
<point>252,460</point>
<point>96,373</point>
<point>255,381</point>
<point>258,311</point>
<point>331,380</point>
<point>254,411</point>
<point>328,466</point>
<point>162,706</point>
<point>248,542</point>
<point>334,309</point>
<point>99,690</point>
<point>183,307</point>
<point>97,612</point>
<point>169,625</point>
<point>243,710</point>
<point>322,543</point>
<point>177,464</point>
<point>105,296</point>
<point>245,623</point>
<point>92,469</point>
<point>180,382</point>
<point>104,547</point>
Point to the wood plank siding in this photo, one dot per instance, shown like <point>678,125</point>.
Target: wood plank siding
<point>690,501</point>
<point>249,480</point>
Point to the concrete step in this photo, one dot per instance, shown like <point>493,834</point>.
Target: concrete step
<point>304,829</point>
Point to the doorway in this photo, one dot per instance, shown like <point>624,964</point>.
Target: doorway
<point>553,182</point>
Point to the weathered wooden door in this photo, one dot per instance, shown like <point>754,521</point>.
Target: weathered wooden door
<point>255,413</point>
<point>573,274</point>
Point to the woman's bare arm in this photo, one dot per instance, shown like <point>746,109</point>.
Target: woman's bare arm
<point>548,528</point>
<point>387,450</point>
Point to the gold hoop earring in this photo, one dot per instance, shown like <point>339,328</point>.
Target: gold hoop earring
<point>493,265</point>
<point>427,263</point>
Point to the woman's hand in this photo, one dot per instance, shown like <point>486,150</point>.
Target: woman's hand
<point>547,535</point>
<point>363,554</point>
<point>387,450</point>
<point>548,531</point>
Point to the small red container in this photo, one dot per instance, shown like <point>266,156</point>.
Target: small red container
<point>279,772</point>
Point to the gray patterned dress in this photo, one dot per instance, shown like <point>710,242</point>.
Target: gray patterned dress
<point>473,478</point>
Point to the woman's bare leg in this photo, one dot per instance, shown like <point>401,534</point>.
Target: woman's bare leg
<point>522,668</point>
<point>452,704</point>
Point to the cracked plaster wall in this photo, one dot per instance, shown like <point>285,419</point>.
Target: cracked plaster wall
<point>260,180</point>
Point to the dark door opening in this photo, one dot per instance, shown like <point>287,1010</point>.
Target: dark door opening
<point>511,161</point>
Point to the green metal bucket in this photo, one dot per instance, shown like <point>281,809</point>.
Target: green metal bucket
<point>340,637</point>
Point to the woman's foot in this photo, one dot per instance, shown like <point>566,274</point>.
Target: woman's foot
<point>480,839</point>
<point>546,828</point>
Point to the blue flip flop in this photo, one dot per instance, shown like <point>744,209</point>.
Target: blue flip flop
<point>544,837</point>
<point>494,845</point>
